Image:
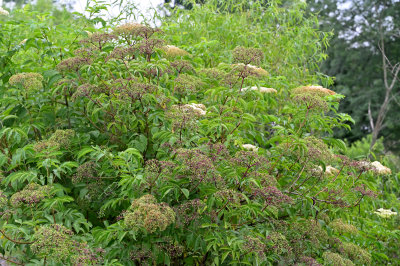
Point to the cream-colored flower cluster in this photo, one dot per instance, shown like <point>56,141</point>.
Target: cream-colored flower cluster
<point>318,90</point>
<point>258,70</point>
<point>250,147</point>
<point>129,29</point>
<point>330,170</point>
<point>385,213</point>
<point>260,89</point>
<point>198,108</point>
<point>380,169</point>
<point>4,12</point>
<point>342,227</point>
<point>173,51</point>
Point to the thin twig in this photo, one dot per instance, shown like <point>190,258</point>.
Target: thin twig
<point>15,241</point>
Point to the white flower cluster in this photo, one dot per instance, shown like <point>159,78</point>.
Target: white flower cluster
<point>198,108</point>
<point>330,170</point>
<point>261,89</point>
<point>380,169</point>
<point>258,70</point>
<point>250,147</point>
<point>4,12</point>
<point>385,213</point>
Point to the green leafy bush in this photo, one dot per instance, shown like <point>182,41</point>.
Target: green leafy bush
<point>135,148</point>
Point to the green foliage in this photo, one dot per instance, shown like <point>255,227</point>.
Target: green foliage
<point>194,143</point>
<point>361,148</point>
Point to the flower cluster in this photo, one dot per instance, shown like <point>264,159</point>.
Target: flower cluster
<point>314,90</point>
<point>229,195</point>
<point>171,247</point>
<point>317,150</point>
<point>250,160</point>
<point>182,66</point>
<point>341,227</point>
<point>55,241</point>
<point>131,90</point>
<point>121,53</point>
<point>143,256</point>
<point>82,254</point>
<point>247,70</point>
<point>155,167</point>
<point>4,12</point>
<point>213,74</point>
<point>197,165</point>
<point>140,37</point>
<point>85,173</point>
<point>173,51</point>
<point>197,108</point>
<point>131,31</point>
<point>364,191</point>
<point>385,213</point>
<point>156,170</point>
<point>308,261</point>
<point>330,170</point>
<point>334,259</point>
<point>271,196</point>
<point>59,139</point>
<point>29,81</point>
<point>260,89</point>
<point>250,147</point>
<point>30,195</point>
<point>188,212</point>
<point>217,152</point>
<point>314,151</point>
<point>380,169</point>
<point>254,245</point>
<point>97,40</point>
<point>84,52</point>
<point>46,146</point>
<point>62,137</point>
<point>312,97</point>
<point>148,215</point>
<point>362,166</point>
<point>72,64</point>
<point>247,55</point>
<point>306,230</point>
<point>148,46</point>
<point>187,84</point>
<point>278,243</point>
<point>356,254</point>
<point>185,116</point>
<point>84,90</point>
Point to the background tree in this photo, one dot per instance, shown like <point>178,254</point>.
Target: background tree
<point>362,56</point>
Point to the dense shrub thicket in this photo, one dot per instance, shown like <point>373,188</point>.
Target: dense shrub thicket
<point>200,142</point>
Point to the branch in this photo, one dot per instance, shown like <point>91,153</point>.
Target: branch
<point>396,70</point>
<point>393,97</point>
<point>385,63</point>
<point>15,241</point>
<point>371,120</point>
<point>10,260</point>
<point>384,58</point>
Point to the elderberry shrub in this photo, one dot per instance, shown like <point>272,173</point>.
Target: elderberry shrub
<point>135,147</point>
